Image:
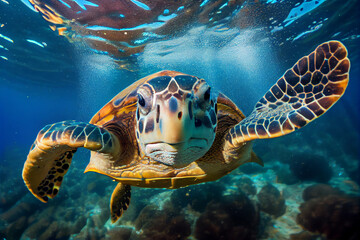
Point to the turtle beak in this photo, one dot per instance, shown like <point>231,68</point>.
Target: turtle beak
<point>176,123</point>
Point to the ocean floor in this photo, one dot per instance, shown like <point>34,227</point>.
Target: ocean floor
<point>278,201</point>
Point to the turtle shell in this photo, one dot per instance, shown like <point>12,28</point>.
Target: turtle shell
<point>130,167</point>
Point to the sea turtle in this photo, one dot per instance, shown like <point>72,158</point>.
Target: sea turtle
<point>171,130</point>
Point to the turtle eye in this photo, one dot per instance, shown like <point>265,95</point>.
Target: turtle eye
<point>204,95</point>
<point>144,101</point>
<point>141,100</point>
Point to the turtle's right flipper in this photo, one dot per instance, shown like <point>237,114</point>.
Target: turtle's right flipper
<point>304,93</point>
<point>50,155</point>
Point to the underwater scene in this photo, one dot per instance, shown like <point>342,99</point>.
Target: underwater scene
<point>177,119</point>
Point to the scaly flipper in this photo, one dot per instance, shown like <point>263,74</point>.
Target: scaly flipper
<point>51,154</point>
<point>120,200</point>
<point>304,93</point>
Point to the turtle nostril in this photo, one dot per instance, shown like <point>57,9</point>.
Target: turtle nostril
<point>179,115</point>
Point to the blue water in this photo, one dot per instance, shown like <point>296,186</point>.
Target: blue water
<point>45,78</point>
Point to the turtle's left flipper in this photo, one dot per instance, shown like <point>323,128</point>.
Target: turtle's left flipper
<point>120,200</point>
<point>305,92</point>
<point>50,156</point>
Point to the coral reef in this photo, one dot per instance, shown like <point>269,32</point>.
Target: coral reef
<point>49,228</point>
<point>319,191</point>
<point>19,210</point>
<point>234,217</point>
<point>271,201</point>
<point>304,235</point>
<point>310,167</point>
<point>9,197</point>
<point>15,229</point>
<point>117,233</point>
<point>336,216</point>
<point>90,234</point>
<point>163,224</point>
<point>246,185</point>
<point>225,209</point>
<point>196,196</point>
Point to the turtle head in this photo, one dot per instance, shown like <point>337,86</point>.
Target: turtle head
<point>176,119</point>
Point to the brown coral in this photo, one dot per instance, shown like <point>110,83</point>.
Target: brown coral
<point>271,201</point>
<point>319,190</point>
<point>335,216</point>
<point>163,224</point>
<point>246,185</point>
<point>196,196</point>
<point>119,233</point>
<point>235,217</point>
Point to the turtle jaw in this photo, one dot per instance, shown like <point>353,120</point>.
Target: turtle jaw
<point>179,137</point>
<point>179,154</point>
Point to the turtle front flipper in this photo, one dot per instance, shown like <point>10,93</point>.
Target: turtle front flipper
<point>120,200</point>
<point>302,94</point>
<point>50,155</point>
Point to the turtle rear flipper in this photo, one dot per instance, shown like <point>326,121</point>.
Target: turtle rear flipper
<point>120,200</point>
<point>50,156</point>
<point>301,95</point>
